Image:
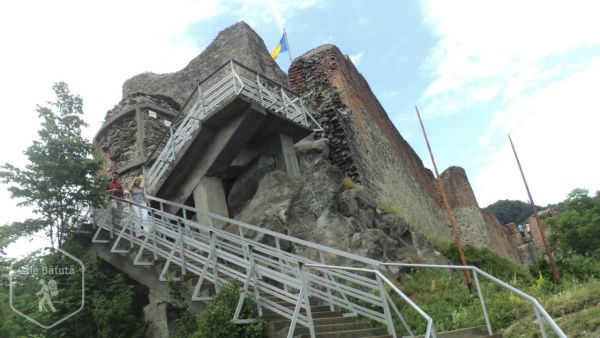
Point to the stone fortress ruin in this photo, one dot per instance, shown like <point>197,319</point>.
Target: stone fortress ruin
<point>354,136</point>
<point>309,162</point>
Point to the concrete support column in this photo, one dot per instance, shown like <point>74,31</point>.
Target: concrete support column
<point>209,195</point>
<point>156,314</point>
<point>285,155</point>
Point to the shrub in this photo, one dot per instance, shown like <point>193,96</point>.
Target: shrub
<point>215,320</point>
<point>486,260</point>
<point>349,183</point>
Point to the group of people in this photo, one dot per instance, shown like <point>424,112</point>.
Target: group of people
<point>136,195</point>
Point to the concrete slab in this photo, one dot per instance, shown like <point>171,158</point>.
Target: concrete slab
<point>212,149</point>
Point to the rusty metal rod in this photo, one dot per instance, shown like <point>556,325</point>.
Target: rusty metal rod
<point>453,227</point>
<point>555,274</point>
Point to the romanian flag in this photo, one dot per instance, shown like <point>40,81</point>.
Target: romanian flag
<point>281,47</point>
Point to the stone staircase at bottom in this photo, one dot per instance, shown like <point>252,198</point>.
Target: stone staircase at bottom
<point>333,324</point>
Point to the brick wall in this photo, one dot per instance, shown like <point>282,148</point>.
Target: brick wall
<point>364,142</point>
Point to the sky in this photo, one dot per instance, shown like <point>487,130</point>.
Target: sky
<point>477,70</point>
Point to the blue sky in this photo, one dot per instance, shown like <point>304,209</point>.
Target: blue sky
<point>478,70</point>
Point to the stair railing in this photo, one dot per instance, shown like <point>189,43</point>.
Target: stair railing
<point>540,312</point>
<point>230,80</point>
<point>198,246</point>
<point>212,248</point>
<point>365,300</point>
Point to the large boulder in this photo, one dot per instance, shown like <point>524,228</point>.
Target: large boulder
<point>246,185</point>
<point>319,208</point>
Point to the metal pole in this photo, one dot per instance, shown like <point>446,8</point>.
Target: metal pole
<point>451,219</point>
<point>288,46</point>
<point>555,274</point>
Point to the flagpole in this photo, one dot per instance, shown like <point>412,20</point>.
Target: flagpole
<point>451,219</point>
<point>288,46</point>
<point>555,274</point>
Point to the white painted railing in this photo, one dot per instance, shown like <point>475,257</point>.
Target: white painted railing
<point>230,80</point>
<point>540,312</point>
<point>215,249</point>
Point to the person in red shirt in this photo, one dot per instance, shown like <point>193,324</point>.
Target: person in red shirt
<point>113,187</point>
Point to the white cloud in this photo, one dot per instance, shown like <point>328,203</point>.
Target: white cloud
<point>257,12</point>
<point>533,66</point>
<point>357,57</point>
<point>94,47</point>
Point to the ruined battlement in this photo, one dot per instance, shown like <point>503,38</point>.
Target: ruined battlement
<point>364,142</point>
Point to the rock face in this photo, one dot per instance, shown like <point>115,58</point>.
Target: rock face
<point>237,42</point>
<point>318,208</point>
<point>364,143</point>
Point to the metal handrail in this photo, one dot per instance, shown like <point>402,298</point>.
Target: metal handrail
<point>276,99</point>
<point>430,331</point>
<point>214,248</point>
<point>539,310</point>
<point>203,249</point>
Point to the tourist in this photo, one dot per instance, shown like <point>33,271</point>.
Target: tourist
<point>521,230</point>
<point>113,187</point>
<point>528,229</point>
<point>140,202</point>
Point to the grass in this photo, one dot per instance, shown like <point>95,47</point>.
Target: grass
<point>443,295</point>
<point>394,210</point>
<point>575,308</point>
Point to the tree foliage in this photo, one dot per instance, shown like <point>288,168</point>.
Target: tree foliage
<point>508,211</point>
<point>110,303</point>
<point>216,320</point>
<point>576,230</point>
<point>60,177</point>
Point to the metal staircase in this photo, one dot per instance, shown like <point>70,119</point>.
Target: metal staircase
<point>298,293</point>
<point>229,81</point>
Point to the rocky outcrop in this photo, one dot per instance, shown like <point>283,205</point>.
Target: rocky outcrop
<point>319,209</point>
<point>237,42</point>
<point>364,143</point>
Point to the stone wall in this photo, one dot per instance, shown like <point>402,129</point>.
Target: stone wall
<point>237,42</point>
<point>133,129</point>
<point>469,220</point>
<point>364,143</point>
<point>502,238</point>
<point>120,138</point>
<point>536,234</point>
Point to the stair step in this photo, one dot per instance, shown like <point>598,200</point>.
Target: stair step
<point>359,333</point>
<point>301,330</point>
<point>280,324</point>
<point>313,309</point>
<point>469,332</point>
<point>326,314</point>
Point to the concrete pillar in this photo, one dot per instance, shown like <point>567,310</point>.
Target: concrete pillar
<point>209,195</point>
<point>285,155</point>
<point>156,314</point>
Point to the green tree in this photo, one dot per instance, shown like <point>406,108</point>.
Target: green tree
<point>60,178</point>
<point>111,306</point>
<point>508,211</point>
<point>576,230</point>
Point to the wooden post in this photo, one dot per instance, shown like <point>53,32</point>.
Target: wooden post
<point>451,219</point>
<point>555,274</point>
